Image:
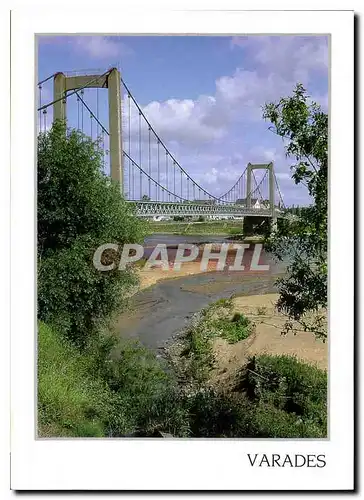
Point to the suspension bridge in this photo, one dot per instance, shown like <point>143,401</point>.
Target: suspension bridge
<point>134,154</point>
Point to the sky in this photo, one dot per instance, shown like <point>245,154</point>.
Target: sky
<point>204,94</point>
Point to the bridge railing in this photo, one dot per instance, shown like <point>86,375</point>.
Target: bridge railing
<point>152,208</point>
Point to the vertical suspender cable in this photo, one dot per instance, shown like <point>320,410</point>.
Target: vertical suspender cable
<point>167,169</point>
<point>140,157</point>
<point>158,177</point>
<point>82,92</point>
<point>174,180</point>
<point>149,162</point>
<point>97,112</point>
<point>78,113</point>
<point>45,119</point>
<point>40,105</point>
<point>129,147</point>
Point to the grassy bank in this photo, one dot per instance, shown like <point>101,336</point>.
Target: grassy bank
<point>218,228</point>
<point>270,395</point>
<point>95,395</point>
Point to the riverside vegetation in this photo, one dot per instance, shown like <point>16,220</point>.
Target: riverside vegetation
<point>91,383</point>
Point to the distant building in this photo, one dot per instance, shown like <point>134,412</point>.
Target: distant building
<point>255,203</point>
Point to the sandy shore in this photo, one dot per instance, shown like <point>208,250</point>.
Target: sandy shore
<point>269,324</point>
<point>149,277</point>
<point>267,338</point>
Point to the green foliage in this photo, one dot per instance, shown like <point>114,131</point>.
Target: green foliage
<point>216,320</point>
<point>304,126</point>
<point>71,402</point>
<point>214,413</point>
<point>124,390</point>
<point>79,209</point>
<point>235,329</point>
<point>217,414</point>
<point>267,421</point>
<point>199,352</point>
<point>289,385</point>
<point>234,231</point>
<point>207,227</point>
<point>94,393</point>
<point>76,297</point>
<point>75,197</point>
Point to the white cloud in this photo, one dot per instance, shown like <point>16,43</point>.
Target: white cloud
<point>226,128</point>
<point>184,121</point>
<point>100,47</point>
<point>277,62</point>
<point>291,56</point>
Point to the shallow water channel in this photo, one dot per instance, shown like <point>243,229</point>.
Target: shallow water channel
<point>164,309</point>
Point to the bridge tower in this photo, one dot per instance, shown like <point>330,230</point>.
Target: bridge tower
<point>111,80</point>
<point>261,166</point>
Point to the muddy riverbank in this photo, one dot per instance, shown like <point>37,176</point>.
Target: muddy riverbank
<point>159,312</point>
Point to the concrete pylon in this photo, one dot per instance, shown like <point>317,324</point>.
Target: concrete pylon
<point>111,80</point>
<point>249,186</point>
<point>116,156</point>
<point>270,168</point>
<point>59,96</point>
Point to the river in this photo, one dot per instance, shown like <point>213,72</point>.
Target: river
<point>164,309</point>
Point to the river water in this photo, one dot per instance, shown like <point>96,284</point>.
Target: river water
<point>164,309</point>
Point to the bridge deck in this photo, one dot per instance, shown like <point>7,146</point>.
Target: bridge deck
<point>152,208</point>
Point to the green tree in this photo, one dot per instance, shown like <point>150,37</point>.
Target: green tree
<point>304,127</point>
<point>75,197</point>
<point>79,209</point>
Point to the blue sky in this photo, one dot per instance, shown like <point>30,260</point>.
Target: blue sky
<point>203,95</point>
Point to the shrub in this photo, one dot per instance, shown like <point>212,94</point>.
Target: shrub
<point>75,197</point>
<point>79,208</point>
<point>216,414</point>
<point>289,385</point>
<point>101,392</point>
<point>267,421</point>
<point>142,389</point>
<point>214,321</point>
<point>235,329</point>
<point>199,352</point>
<point>76,297</point>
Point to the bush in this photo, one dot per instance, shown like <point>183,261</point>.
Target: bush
<point>76,297</point>
<point>214,321</point>
<point>235,329</point>
<point>75,197</point>
<point>267,421</point>
<point>79,208</point>
<point>99,392</point>
<point>289,385</point>
<point>216,414</point>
